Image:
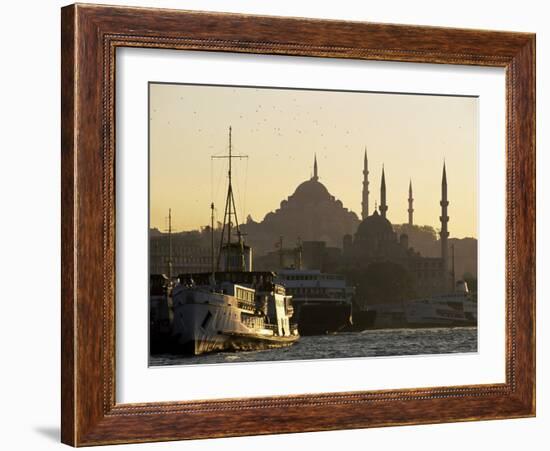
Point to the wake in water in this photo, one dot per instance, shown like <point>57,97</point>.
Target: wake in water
<point>369,343</point>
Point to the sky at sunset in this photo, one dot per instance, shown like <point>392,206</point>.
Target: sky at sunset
<point>280,130</point>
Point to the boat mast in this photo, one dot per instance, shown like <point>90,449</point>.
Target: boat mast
<point>170,244</point>
<point>230,209</point>
<point>228,203</point>
<point>212,238</point>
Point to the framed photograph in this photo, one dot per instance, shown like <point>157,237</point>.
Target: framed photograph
<point>279,225</point>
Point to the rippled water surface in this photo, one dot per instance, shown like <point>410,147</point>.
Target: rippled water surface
<point>369,343</point>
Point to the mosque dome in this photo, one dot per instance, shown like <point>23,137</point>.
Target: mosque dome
<point>310,213</point>
<point>375,227</point>
<point>311,190</point>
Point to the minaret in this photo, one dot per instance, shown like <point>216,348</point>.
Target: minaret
<point>444,234</point>
<point>315,176</point>
<point>383,206</point>
<point>411,209</point>
<point>365,202</point>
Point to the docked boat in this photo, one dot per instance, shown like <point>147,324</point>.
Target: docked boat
<point>231,311</point>
<point>449,310</point>
<point>456,309</point>
<point>322,302</point>
<point>231,308</point>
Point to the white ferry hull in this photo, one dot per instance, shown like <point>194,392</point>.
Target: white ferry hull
<point>439,312</point>
<point>210,326</point>
<point>447,311</point>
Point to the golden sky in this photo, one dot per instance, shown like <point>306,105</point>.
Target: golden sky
<point>281,129</point>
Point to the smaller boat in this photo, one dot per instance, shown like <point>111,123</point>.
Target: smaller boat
<point>448,310</point>
<point>457,309</point>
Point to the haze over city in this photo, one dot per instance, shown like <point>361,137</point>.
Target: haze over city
<point>280,130</point>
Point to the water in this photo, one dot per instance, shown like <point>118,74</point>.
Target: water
<point>369,343</point>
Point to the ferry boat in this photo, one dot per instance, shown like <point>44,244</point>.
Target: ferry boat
<point>231,308</point>
<point>231,311</point>
<point>457,309</point>
<point>322,301</point>
<point>448,310</point>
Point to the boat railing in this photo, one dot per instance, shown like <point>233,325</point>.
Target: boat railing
<point>245,305</point>
<point>272,327</point>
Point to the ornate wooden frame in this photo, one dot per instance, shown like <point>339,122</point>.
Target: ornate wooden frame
<point>90,413</point>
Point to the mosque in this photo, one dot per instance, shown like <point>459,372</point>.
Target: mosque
<point>376,241</point>
<point>311,215</point>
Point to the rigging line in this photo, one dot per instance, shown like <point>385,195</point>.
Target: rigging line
<point>245,189</point>
<point>237,186</point>
<point>242,191</point>
<point>237,224</point>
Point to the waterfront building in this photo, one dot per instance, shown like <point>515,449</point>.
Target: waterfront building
<point>190,252</point>
<point>304,255</point>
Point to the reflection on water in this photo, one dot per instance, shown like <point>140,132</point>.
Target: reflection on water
<point>369,343</point>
